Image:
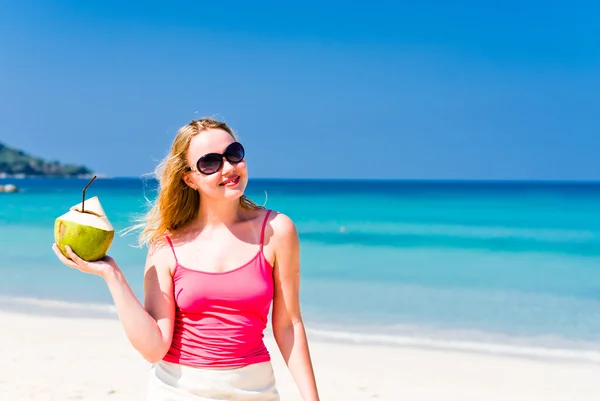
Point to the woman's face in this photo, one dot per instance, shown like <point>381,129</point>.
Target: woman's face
<point>229,181</point>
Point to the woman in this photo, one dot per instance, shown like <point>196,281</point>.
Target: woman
<point>216,262</point>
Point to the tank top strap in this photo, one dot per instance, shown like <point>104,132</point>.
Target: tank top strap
<point>172,248</point>
<point>262,231</point>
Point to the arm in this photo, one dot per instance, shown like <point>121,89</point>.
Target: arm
<point>288,327</point>
<point>149,329</point>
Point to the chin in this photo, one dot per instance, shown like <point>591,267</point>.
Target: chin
<point>235,191</point>
<point>233,194</point>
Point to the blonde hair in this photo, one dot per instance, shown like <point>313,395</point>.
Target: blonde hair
<point>177,203</point>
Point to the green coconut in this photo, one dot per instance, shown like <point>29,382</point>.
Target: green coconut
<point>89,233</point>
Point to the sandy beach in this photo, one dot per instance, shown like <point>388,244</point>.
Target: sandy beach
<point>73,358</point>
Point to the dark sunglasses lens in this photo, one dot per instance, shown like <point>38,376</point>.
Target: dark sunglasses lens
<point>209,164</point>
<point>235,152</point>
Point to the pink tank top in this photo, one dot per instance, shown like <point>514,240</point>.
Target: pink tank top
<point>220,317</point>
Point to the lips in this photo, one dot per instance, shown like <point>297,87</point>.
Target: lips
<point>230,181</point>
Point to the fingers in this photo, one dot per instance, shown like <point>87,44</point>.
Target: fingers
<point>75,261</point>
<point>62,257</point>
<point>74,257</point>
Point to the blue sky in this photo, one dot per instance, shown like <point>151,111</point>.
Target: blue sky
<point>434,90</point>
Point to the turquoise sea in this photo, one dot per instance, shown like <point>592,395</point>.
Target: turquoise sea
<point>509,267</point>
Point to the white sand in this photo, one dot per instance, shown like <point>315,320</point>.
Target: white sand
<point>52,358</point>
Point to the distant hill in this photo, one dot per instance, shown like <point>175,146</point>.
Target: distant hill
<point>14,162</point>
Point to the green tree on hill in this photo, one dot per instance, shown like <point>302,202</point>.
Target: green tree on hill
<point>17,162</point>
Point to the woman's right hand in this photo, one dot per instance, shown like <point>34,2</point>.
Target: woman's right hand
<point>100,267</point>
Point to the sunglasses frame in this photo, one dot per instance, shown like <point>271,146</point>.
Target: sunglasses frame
<point>227,155</point>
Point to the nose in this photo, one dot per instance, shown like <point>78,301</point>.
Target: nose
<point>227,167</point>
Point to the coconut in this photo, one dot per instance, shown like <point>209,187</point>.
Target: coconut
<point>86,229</point>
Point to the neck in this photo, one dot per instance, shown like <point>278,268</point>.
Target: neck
<point>218,213</point>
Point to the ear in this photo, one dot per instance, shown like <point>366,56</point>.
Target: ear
<point>188,180</point>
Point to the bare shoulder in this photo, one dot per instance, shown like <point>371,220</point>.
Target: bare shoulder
<point>283,237</point>
<point>283,228</point>
<point>286,249</point>
<point>160,256</point>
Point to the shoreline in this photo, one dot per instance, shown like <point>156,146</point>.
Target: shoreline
<point>51,308</point>
<point>91,359</point>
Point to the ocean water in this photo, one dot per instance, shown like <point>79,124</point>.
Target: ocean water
<point>508,267</point>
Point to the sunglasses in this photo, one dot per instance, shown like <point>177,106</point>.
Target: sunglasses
<point>210,163</point>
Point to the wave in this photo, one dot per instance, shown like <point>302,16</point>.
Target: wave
<point>454,231</point>
<point>569,241</point>
<point>51,307</point>
<point>563,350</point>
<point>493,348</point>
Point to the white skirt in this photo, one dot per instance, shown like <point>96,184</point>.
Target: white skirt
<point>173,382</point>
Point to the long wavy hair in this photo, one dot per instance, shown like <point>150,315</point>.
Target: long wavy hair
<point>177,203</point>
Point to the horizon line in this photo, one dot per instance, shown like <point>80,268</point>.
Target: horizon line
<point>548,180</point>
<point>347,179</point>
